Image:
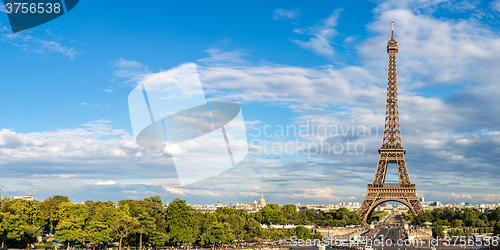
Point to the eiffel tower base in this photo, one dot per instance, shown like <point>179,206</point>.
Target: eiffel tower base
<point>380,193</point>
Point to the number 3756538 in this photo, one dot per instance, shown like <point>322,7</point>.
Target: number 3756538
<point>33,8</point>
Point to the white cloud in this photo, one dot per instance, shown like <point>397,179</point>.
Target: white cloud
<point>88,104</point>
<point>282,14</point>
<point>436,50</point>
<point>491,197</point>
<point>327,194</point>
<point>311,86</point>
<point>105,183</point>
<point>33,44</point>
<point>322,34</point>
<point>117,152</point>
<point>461,196</point>
<point>57,48</point>
<point>195,192</point>
<point>496,5</point>
<point>219,56</point>
<point>80,160</point>
<point>86,149</point>
<point>426,6</point>
<point>131,70</point>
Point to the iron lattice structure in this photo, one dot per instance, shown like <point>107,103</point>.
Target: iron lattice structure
<point>392,151</point>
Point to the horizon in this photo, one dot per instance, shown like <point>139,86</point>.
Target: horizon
<point>230,204</point>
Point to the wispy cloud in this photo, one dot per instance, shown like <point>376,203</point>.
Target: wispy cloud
<point>496,5</point>
<point>129,70</point>
<point>322,34</point>
<point>461,196</point>
<point>31,44</point>
<point>79,158</point>
<point>426,6</point>
<point>89,148</point>
<point>105,183</point>
<point>88,104</point>
<point>437,50</point>
<point>322,86</point>
<point>219,56</point>
<point>286,15</point>
<point>318,193</point>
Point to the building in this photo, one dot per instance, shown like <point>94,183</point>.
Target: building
<point>428,204</point>
<point>262,201</point>
<point>254,207</point>
<point>28,197</point>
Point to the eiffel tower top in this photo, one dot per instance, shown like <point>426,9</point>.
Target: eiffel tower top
<point>392,132</point>
<point>392,45</point>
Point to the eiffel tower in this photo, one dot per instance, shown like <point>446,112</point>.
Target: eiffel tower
<point>392,151</point>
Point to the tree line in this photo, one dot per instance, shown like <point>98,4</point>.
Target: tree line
<point>465,220</point>
<point>148,221</point>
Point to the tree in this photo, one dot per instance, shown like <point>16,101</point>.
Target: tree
<point>456,223</point>
<point>253,228</point>
<point>103,211</point>
<point>60,199</point>
<point>146,212</point>
<point>11,227</point>
<point>180,223</point>
<point>3,231</point>
<point>158,238</point>
<point>289,212</point>
<point>237,224</point>
<point>99,217</point>
<point>63,210</point>
<point>70,229</point>
<point>377,215</point>
<point>29,211</point>
<point>98,232</point>
<point>146,225</point>
<point>495,214</point>
<point>271,214</point>
<point>496,228</point>
<point>302,232</point>
<point>31,217</point>
<point>205,221</point>
<point>218,233</point>
<point>438,231</point>
<point>49,211</point>
<point>123,227</point>
<point>32,231</point>
<point>408,216</point>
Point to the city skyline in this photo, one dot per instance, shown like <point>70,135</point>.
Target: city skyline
<point>310,80</point>
<point>255,206</point>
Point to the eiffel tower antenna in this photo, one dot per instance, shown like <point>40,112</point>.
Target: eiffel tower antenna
<point>392,33</point>
<point>391,151</point>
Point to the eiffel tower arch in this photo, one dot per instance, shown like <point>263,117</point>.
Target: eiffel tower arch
<point>392,151</point>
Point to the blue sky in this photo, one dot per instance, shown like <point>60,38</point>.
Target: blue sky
<point>65,126</point>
